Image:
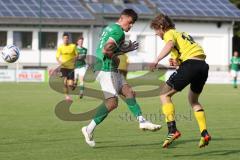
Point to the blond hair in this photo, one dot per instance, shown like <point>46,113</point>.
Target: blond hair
<point>163,22</point>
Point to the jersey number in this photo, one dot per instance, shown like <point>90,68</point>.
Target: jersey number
<point>188,38</point>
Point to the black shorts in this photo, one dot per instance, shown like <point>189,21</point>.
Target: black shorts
<point>193,72</point>
<point>69,73</point>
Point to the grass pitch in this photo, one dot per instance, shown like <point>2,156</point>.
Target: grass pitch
<point>30,130</point>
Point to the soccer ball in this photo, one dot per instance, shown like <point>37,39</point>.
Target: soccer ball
<point>124,46</point>
<point>10,53</point>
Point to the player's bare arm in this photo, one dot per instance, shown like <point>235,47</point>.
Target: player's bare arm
<point>59,60</point>
<point>109,48</point>
<point>165,51</point>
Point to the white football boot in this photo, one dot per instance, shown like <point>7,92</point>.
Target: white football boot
<point>88,137</point>
<point>146,125</point>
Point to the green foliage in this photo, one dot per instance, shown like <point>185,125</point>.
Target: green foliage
<point>237,24</point>
<point>236,2</point>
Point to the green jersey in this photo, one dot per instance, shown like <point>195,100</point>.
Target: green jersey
<point>80,62</point>
<point>116,33</point>
<point>235,62</point>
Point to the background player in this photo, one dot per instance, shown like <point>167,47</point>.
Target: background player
<point>192,70</point>
<point>66,54</point>
<point>111,81</point>
<point>235,62</point>
<point>80,65</point>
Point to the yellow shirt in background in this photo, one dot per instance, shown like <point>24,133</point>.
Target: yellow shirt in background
<point>123,65</point>
<point>67,54</point>
<point>185,46</point>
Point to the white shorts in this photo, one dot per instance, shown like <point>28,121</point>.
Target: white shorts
<point>80,71</point>
<point>234,73</point>
<point>111,83</point>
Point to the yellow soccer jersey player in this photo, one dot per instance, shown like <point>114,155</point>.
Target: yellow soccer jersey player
<point>185,46</point>
<point>123,62</point>
<point>192,70</point>
<point>67,53</point>
<point>123,65</point>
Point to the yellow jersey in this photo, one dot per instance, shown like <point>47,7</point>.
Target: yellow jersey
<point>123,62</point>
<point>67,54</point>
<point>184,46</point>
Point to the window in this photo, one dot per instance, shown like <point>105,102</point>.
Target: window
<point>48,40</point>
<point>22,40</point>
<point>141,40</point>
<point>3,38</point>
<point>74,36</point>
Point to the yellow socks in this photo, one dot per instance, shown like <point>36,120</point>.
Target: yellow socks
<point>169,112</point>
<point>201,119</point>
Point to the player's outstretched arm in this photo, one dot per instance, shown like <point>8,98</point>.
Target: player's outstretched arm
<point>165,51</point>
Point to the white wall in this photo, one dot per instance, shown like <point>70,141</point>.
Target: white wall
<point>31,56</point>
<point>216,42</point>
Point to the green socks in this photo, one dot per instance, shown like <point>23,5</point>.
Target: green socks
<point>101,114</point>
<point>81,89</point>
<point>133,106</point>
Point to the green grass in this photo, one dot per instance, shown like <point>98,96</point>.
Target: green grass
<point>30,130</point>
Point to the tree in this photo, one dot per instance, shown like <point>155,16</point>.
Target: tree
<point>237,24</point>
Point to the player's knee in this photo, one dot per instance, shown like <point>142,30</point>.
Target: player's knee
<point>128,92</point>
<point>112,104</point>
<point>163,97</point>
<point>65,84</point>
<point>193,99</point>
<point>194,103</point>
<point>70,82</point>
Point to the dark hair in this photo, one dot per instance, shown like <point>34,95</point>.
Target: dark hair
<point>131,13</point>
<point>163,22</point>
<point>80,38</point>
<point>65,34</point>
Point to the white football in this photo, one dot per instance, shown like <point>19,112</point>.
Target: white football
<point>124,46</point>
<point>10,53</point>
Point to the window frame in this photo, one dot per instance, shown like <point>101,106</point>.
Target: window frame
<point>23,38</point>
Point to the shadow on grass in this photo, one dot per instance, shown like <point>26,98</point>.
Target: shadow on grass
<point>211,153</point>
<point>179,142</point>
<point>127,145</point>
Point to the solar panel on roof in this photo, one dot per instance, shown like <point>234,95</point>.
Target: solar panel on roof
<point>12,8</point>
<point>206,8</point>
<point>29,1</point>
<point>6,13</point>
<point>50,9</point>
<point>17,13</point>
<point>102,8</point>
<point>139,8</point>
<point>111,8</point>
<point>73,9</point>
<point>29,14</point>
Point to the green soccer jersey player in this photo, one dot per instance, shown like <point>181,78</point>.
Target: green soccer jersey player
<point>80,65</point>
<point>235,62</point>
<point>111,81</point>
